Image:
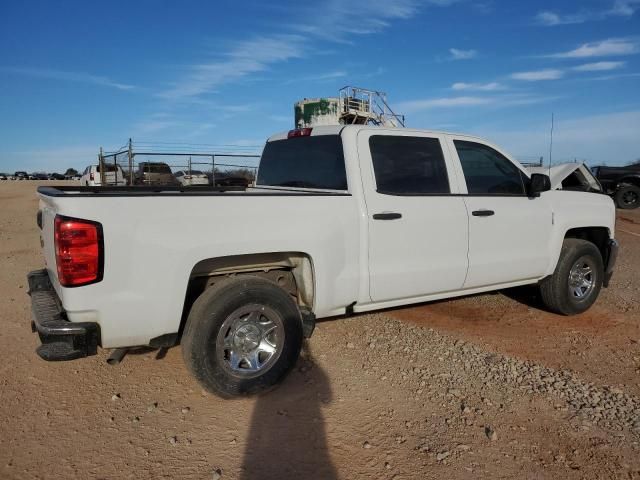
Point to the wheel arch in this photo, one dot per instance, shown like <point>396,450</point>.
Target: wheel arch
<point>292,270</point>
<point>599,236</point>
<point>630,180</point>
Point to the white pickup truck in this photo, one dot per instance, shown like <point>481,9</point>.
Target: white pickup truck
<point>342,219</point>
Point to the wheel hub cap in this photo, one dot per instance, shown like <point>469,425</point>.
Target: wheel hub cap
<point>581,279</point>
<point>247,338</point>
<point>250,340</point>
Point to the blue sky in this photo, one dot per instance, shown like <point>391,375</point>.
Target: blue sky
<point>78,75</point>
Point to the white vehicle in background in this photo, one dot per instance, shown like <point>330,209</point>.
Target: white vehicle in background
<point>191,177</point>
<point>113,176</point>
<point>570,176</point>
<point>343,219</point>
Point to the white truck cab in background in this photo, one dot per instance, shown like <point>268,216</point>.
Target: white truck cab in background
<point>342,219</point>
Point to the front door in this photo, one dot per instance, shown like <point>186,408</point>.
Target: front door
<point>418,230</point>
<point>508,231</point>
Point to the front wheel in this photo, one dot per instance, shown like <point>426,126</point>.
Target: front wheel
<point>628,197</point>
<point>577,279</point>
<point>242,336</point>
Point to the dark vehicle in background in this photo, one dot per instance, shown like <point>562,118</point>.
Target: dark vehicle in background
<point>230,181</point>
<point>39,176</point>
<point>21,176</point>
<point>56,176</point>
<point>3,176</point>
<point>154,173</point>
<point>621,183</point>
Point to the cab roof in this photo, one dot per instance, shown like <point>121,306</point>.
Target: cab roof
<point>337,129</point>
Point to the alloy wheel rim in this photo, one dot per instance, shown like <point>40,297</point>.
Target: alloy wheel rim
<point>250,340</point>
<point>581,279</point>
<point>630,198</point>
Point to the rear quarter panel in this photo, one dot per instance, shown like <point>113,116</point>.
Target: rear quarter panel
<point>152,244</point>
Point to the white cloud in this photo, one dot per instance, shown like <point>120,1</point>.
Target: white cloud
<point>457,54</point>
<point>620,8</point>
<point>598,66</point>
<point>79,77</point>
<point>489,101</point>
<point>617,76</point>
<point>609,47</point>
<point>537,75</point>
<point>336,19</point>
<point>445,102</point>
<point>481,87</point>
<point>318,77</point>
<point>550,19</point>
<point>249,56</point>
<point>625,8</point>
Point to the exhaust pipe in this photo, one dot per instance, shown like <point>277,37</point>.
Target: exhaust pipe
<point>116,356</point>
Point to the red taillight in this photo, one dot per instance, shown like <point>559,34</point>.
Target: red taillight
<point>78,245</point>
<point>299,132</point>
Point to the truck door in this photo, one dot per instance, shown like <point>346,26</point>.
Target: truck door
<point>418,230</point>
<point>509,232</point>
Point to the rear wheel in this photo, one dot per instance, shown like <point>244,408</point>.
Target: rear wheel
<point>628,197</point>
<point>242,336</point>
<point>577,279</point>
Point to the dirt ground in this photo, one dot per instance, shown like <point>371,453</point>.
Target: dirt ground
<point>452,389</point>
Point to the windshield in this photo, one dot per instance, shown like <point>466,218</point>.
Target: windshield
<point>307,162</point>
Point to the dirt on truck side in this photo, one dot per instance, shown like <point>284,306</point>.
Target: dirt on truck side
<point>483,386</point>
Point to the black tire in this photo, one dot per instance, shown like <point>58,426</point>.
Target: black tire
<point>627,197</point>
<point>203,343</point>
<point>557,291</point>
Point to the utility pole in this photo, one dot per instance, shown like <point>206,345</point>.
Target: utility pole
<point>130,154</point>
<point>101,165</point>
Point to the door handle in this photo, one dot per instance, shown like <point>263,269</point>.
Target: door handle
<point>482,213</point>
<point>387,216</point>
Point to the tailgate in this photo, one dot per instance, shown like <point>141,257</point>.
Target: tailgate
<point>46,216</point>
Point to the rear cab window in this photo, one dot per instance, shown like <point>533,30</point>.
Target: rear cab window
<point>304,162</point>
<point>405,165</point>
<point>108,167</point>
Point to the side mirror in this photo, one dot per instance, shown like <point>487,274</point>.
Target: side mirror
<point>539,183</point>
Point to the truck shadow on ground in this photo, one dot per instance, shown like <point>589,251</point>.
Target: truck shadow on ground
<point>528,295</point>
<point>463,308</point>
<point>287,436</point>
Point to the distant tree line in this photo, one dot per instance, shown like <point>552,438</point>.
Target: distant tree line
<point>247,173</point>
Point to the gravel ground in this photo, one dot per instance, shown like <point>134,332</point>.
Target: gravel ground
<point>488,386</point>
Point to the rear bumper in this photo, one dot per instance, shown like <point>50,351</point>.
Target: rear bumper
<point>61,339</point>
<point>612,255</point>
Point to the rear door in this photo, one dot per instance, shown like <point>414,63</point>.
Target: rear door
<point>418,230</point>
<point>508,231</point>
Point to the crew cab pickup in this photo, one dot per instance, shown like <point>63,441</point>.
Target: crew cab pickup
<point>342,219</point>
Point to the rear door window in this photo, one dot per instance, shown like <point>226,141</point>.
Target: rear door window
<point>408,165</point>
<point>305,162</point>
<point>488,172</point>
